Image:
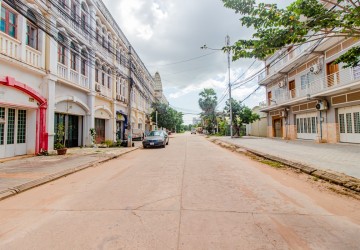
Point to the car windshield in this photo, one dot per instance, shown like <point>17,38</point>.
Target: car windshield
<point>155,133</point>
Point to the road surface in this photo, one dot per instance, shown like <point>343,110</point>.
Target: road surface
<point>190,195</point>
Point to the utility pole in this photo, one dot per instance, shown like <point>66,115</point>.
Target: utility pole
<point>131,82</point>
<point>231,118</point>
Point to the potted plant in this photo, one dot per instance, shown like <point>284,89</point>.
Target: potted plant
<point>92,137</point>
<point>59,145</point>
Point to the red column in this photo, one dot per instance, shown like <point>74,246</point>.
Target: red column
<point>43,135</point>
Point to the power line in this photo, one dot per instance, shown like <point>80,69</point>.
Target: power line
<point>183,61</point>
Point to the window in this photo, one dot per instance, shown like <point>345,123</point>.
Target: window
<point>62,3</point>
<point>73,56</point>
<point>109,79</point>
<point>84,18</point>
<point>61,49</point>
<point>97,66</point>
<point>31,36</point>
<point>357,122</point>
<point>306,80</point>
<point>8,22</point>
<point>74,11</point>
<point>342,123</point>
<point>11,126</point>
<point>348,123</point>
<point>21,133</point>
<point>2,125</point>
<point>83,62</point>
<point>103,76</point>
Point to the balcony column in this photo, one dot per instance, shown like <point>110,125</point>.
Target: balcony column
<point>78,66</point>
<point>90,118</point>
<point>50,112</point>
<point>51,50</point>
<point>91,70</point>
<point>92,24</point>
<point>21,36</point>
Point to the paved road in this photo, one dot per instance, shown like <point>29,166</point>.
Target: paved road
<point>191,195</point>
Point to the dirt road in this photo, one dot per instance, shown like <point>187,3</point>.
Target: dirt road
<point>190,195</point>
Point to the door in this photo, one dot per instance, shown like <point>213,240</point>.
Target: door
<point>332,71</point>
<point>349,124</point>
<point>307,126</point>
<point>278,127</point>
<point>100,130</point>
<point>292,89</point>
<point>13,132</point>
<point>72,131</point>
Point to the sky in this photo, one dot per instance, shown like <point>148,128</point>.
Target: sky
<point>168,34</point>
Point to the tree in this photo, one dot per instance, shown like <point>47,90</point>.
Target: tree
<point>277,28</point>
<point>167,117</point>
<point>208,103</point>
<point>241,115</point>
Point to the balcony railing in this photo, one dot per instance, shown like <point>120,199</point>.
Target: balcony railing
<point>338,79</point>
<point>9,46</point>
<point>33,57</point>
<point>72,76</point>
<point>105,91</point>
<point>62,71</point>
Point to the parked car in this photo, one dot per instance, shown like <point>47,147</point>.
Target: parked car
<point>137,134</point>
<point>156,138</point>
<point>193,131</point>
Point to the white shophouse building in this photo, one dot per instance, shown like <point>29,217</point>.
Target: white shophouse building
<point>67,62</point>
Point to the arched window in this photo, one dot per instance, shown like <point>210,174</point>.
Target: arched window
<point>61,49</point>
<point>32,31</point>
<point>84,61</point>
<point>73,56</point>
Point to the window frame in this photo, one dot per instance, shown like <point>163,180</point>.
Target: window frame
<point>6,20</point>
<point>29,34</point>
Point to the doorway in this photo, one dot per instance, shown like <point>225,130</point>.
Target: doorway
<point>278,128</point>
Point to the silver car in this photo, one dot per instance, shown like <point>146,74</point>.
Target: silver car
<point>156,138</point>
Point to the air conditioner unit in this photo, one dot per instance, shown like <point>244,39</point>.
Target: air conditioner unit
<point>118,97</point>
<point>97,88</point>
<point>282,84</point>
<point>316,68</point>
<point>283,113</point>
<point>322,105</point>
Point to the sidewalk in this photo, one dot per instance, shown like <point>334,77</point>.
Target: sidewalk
<point>20,174</point>
<point>339,162</point>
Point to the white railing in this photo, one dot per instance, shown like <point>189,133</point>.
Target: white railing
<point>74,76</point>
<point>105,91</point>
<point>9,46</point>
<point>338,79</point>
<point>62,71</point>
<point>84,81</point>
<point>33,57</point>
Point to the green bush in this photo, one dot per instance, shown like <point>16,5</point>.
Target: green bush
<point>109,143</point>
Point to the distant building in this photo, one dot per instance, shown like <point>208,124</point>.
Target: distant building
<point>159,94</point>
<point>259,127</point>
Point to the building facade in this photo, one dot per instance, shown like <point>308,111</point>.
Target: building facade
<point>67,62</point>
<point>309,97</point>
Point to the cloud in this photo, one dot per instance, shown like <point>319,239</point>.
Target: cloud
<point>163,32</point>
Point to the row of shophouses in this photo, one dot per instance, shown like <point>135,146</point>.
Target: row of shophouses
<point>67,61</point>
<point>308,96</point>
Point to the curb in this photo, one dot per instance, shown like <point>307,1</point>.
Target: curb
<point>38,182</point>
<point>337,178</point>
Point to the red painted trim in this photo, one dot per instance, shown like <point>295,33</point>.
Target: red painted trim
<point>41,133</point>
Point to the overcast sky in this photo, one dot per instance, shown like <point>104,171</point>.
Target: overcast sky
<point>167,32</point>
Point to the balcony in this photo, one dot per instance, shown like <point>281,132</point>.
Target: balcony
<point>9,46</point>
<point>33,57</point>
<point>322,86</point>
<point>104,90</point>
<point>72,76</point>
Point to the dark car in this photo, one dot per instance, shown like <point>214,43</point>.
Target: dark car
<point>156,138</point>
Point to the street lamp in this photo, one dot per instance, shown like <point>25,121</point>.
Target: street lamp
<point>227,41</point>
